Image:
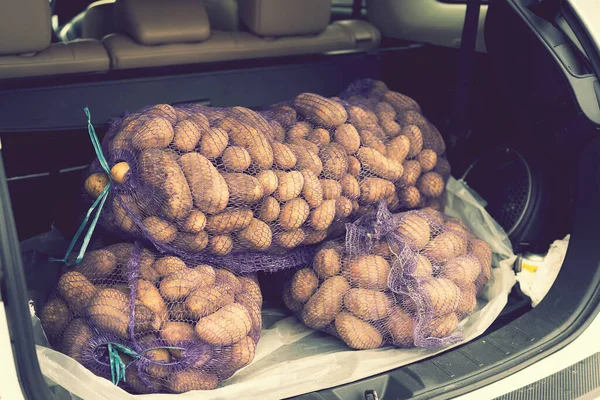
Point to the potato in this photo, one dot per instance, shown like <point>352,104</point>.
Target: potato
<point>312,191</point>
<point>75,338</point>
<point>152,132</point>
<point>304,143</point>
<point>207,300</point>
<point>356,333</point>
<point>227,326</point>
<point>468,300</point>
<point>319,136</point>
<point>442,294</point>
<point>343,207</point>
<point>213,142</point>
<point>482,251</point>
<point>299,130</point>
<point>194,222</point>
<point>228,221</point>
<point>250,286</point>
<point>55,316</point>
<point>243,188</point>
<point>350,187</point>
<point>177,334</point>
<point>368,305</point>
<point>277,132</point>
<point>415,230</point>
<point>322,216</point>
<point>412,171</point>
<point>160,230</point>
<point>409,196</point>
<point>247,116</point>
<point>444,247</point>
<point>483,278</point>
<point>95,183</point>
<point>322,308</point>
<point>433,217</point>
<point>373,190</point>
<point>327,263</point>
<point>367,271</point>
<point>293,214</point>
<point>187,134</point>
<point>311,236</point>
<point>239,354</point>
<point>320,110</point>
<point>159,169</point>
<point>377,163</point>
<point>398,148</point>
<point>269,209</point>
<point>123,217</point>
<point>400,102</point>
<point>76,290</point>
<point>382,248</point>
<point>400,326</point>
<point>253,306</point>
<point>331,189</point>
<point>148,295</point>
<point>226,278</point>
<point>290,239</point>
<point>428,159</point>
<point>191,242</point>
<point>180,284</point>
<point>294,305</point>
<point>441,326</point>
<point>167,265</point>
<point>304,285</point>
<point>423,268</point>
<point>269,181</point>
<point>393,201</point>
<point>256,236</point>
<point>191,379</point>
<point>362,119</point>
<point>109,311</point>
<point>290,185</point>
<point>369,139</point>
<point>390,127</point>
<point>306,159</point>
<point>442,167</point>
<point>178,312</point>
<point>461,270</point>
<point>456,225</point>
<point>166,111</point>
<point>136,385</point>
<point>415,137</point>
<point>354,167</point>
<point>385,109</point>
<point>97,264</point>
<point>283,157</point>
<point>157,358</point>
<point>252,139</point>
<point>431,184</point>
<point>209,190</point>
<point>285,115</point>
<point>236,158</point>
<point>347,136</point>
<point>334,159</point>
<point>220,245</point>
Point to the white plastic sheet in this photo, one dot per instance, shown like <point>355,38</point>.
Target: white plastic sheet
<point>292,359</point>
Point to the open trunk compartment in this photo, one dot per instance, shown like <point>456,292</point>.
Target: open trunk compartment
<point>521,100</point>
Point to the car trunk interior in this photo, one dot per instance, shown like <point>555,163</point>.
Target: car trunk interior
<point>519,99</point>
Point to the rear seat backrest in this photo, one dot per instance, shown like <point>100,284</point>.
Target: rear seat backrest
<point>98,20</point>
<point>285,17</point>
<point>25,48</point>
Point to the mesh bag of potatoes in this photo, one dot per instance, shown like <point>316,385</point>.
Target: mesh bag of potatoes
<point>257,187</point>
<point>403,279</point>
<point>153,323</point>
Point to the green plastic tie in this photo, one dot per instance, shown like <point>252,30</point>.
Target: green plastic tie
<point>117,366</point>
<point>98,204</point>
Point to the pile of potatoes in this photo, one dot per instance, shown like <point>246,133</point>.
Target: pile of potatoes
<point>197,178</point>
<point>435,264</point>
<point>196,325</point>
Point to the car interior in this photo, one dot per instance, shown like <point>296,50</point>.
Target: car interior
<point>530,149</point>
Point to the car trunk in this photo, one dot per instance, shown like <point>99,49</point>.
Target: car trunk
<point>521,99</point>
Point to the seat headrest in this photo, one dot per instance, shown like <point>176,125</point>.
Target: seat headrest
<point>24,26</point>
<point>285,17</point>
<point>154,22</point>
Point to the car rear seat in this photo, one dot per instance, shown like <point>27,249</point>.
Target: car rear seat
<point>160,33</point>
<point>25,48</point>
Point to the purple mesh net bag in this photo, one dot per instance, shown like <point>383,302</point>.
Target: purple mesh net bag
<point>258,189</point>
<point>403,279</point>
<point>153,323</point>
